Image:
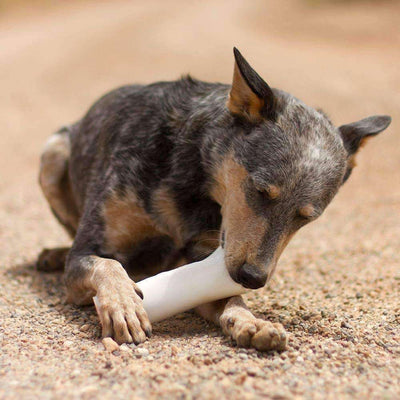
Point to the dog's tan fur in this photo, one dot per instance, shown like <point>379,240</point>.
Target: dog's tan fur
<point>307,211</point>
<point>245,229</point>
<point>55,183</point>
<point>273,192</point>
<point>169,217</point>
<point>118,298</point>
<point>126,222</point>
<point>242,99</point>
<point>237,321</point>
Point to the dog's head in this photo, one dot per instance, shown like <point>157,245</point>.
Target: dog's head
<point>287,162</point>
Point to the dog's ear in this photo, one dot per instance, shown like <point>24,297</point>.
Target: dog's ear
<point>250,95</point>
<point>356,134</point>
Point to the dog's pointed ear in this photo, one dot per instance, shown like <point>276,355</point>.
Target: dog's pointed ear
<point>250,96</point>
<point>356,134</point>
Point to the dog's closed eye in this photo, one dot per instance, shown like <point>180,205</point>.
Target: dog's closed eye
<point>273,192</point>
<point>308,212</point>
<point>270,192</point>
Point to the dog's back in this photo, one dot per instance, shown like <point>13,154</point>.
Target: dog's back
<point>142,135</point>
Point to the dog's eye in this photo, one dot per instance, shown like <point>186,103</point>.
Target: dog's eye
<point>300,221</point>
<point>261,192</point>
<point>307,213</point>
<point>265,197</point>
<point>270,192</point>
<point>303,218</point>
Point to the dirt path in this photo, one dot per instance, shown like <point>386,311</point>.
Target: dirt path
<point>337,287</point>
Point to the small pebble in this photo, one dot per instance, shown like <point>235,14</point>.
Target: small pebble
<point>344,324</point>
<point>110,345</point>
<point>252,371</point>
<point>141,352</point>
<point>84,328</point>
<point>125,348</point>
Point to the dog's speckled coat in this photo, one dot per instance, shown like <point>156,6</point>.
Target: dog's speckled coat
<point>168,168</point>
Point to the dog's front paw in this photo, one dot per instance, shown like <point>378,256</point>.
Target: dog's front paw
<point>121,312</point>
<point>255,332</point>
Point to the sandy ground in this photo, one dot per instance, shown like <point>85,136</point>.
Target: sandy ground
<point>337,287</point>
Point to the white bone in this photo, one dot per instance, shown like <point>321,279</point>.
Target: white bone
<point>186,287</point>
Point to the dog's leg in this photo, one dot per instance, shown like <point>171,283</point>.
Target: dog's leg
<point>233,316</point>
<point>54,180</point>
<point>55,183</point>
<point>120,309</point>
<point>242,326</point>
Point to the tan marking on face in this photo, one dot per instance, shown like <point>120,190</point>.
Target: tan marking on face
<point>307,211</point>
<point>126,222</point>
<point>244,229</point>
<point>273,191</point>
<point>283,242</point>
<point>242,100</point>
<point>218,187</point>
<point>168,215</point>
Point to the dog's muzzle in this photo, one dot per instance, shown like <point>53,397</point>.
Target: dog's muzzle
<point>251,277</point>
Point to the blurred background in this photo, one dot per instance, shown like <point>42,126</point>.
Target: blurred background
<point>58,56</point>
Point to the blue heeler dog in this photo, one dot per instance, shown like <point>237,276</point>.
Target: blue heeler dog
<point>157,176</point>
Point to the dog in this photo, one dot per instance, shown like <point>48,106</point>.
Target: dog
<point>157,176</point>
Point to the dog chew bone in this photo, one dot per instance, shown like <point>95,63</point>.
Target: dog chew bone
<point>186,287</point>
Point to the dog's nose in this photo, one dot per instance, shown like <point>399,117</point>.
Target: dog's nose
<point>251,277</point>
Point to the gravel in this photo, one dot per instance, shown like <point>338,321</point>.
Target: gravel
<point>336,289</point>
